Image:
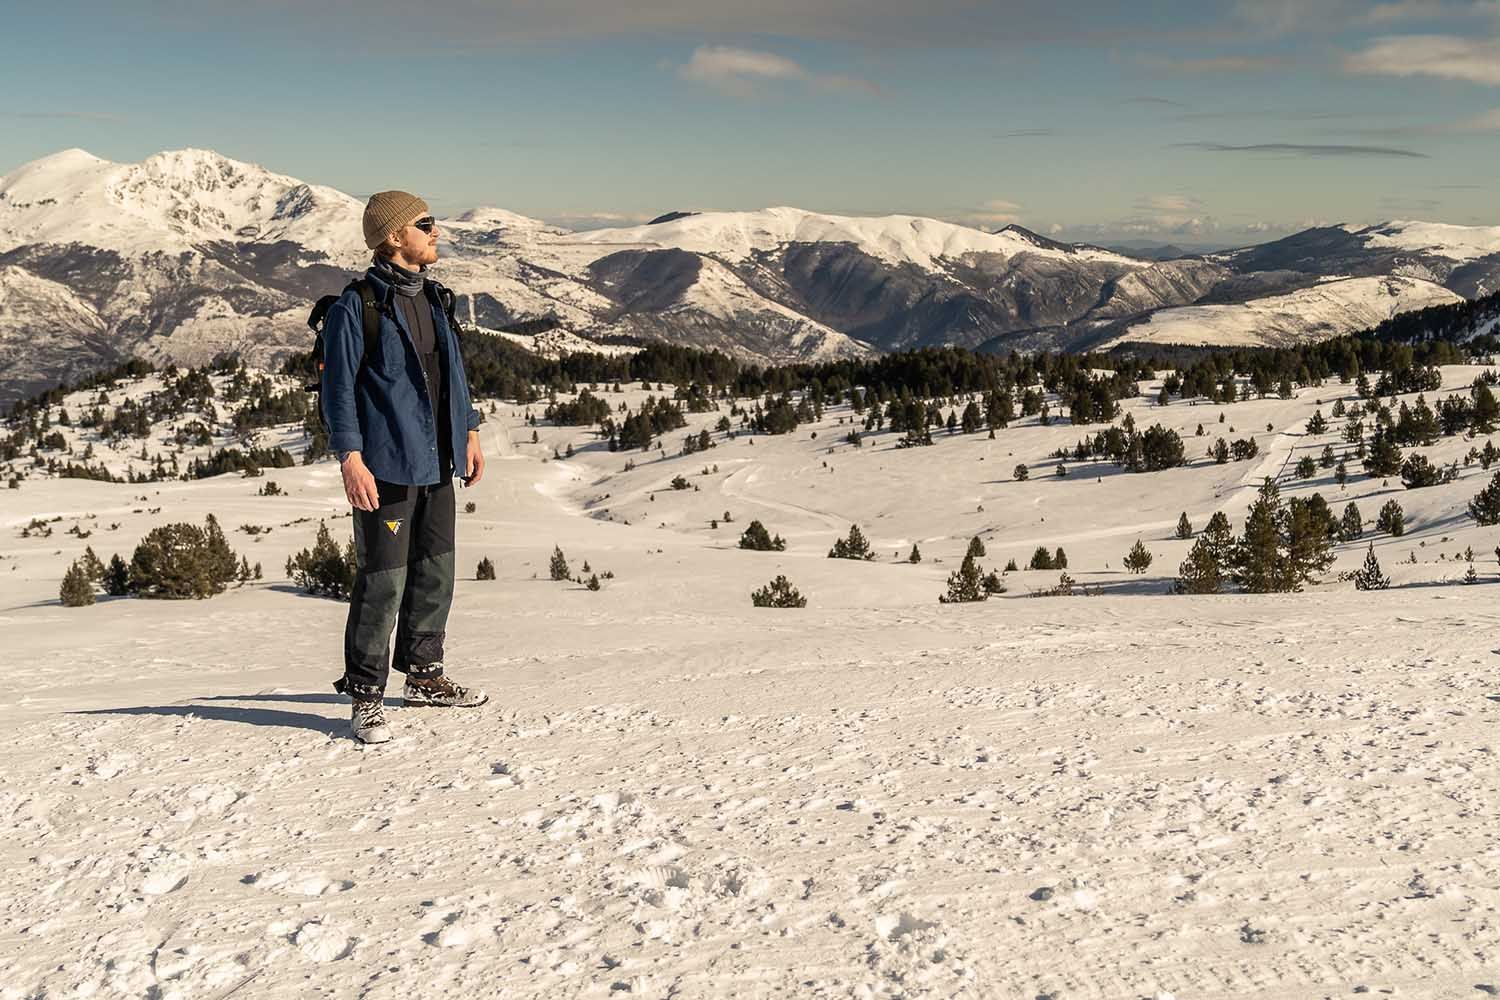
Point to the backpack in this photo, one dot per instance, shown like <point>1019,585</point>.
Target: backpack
<point>371,310</point>
<point>319,314</point>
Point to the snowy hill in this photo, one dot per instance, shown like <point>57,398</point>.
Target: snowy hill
<point>189,254</point>
<point>894,239</point>
<point>673,793</point>
<point>1329,309</point>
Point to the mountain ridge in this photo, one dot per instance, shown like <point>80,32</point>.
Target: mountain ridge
<point>190,253</point>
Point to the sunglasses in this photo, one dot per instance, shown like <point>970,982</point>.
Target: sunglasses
<point>426,224</point>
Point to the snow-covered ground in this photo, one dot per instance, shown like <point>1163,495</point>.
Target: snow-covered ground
<point>672,793</point>
<point>1334,307</point>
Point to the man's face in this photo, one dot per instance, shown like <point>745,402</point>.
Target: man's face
<point>418,245</point>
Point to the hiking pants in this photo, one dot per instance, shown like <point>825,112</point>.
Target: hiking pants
<point>404,555</point>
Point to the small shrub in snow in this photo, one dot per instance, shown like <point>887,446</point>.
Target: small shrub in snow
<point>485,570</point>
<point>1138,559</point>
<point>853,547</point>
<point>1369,576</point>
<point>965,584</point>
<point>325,568</point>
<point>758,539</point>
<point>779,593</point>
<point>181,560</point>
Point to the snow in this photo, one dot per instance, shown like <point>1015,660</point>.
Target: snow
<point>1328,309</point>
<point>896,239</point>
<point>1459,243</point>
<point>170,201</point>
<point>672,793</point>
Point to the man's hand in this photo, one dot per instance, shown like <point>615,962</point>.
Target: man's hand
<point>359,483</point>
<point>474,461</point>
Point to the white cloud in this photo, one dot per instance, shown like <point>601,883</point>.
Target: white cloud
<point>738,72</point>
<point>1169,203</point>
<point>1448,57</point>
<point>996,212</point>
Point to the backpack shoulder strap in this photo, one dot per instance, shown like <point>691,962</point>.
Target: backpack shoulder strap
<point>370,308</point>
<point>449,302</point>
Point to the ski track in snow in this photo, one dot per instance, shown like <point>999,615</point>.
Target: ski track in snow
<point>672,794</point>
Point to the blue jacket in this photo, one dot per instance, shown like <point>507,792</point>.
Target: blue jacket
<point>379,405</point>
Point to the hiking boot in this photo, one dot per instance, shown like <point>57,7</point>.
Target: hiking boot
<point>367,721</point>
<point>439,692</point>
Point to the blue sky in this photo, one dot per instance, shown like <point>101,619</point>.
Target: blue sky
<point>1198,123</point>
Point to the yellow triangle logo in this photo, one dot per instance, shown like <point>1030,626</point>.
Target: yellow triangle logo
<point>395,525</point>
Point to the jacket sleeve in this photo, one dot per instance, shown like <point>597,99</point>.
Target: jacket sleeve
<point>343,350</point>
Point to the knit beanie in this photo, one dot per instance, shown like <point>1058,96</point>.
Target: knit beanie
<point>388,211</point>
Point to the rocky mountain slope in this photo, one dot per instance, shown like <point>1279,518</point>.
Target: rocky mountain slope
<point>189,254</point>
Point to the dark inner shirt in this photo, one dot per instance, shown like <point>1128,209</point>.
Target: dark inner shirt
<point>417,311</point>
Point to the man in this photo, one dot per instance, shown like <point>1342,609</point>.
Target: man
<point>399,413</point>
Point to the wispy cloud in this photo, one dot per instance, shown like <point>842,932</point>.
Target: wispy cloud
<point>1448,57</point>
<point>91,116</point>
<point>1162,102</point>
<point>596,220</point>
<point>995,213</point>
<point>1216,64</point>
<point>1430,10</point>
<point>1488,121</point>
<point>1300,149</point>
<point>740,72</point>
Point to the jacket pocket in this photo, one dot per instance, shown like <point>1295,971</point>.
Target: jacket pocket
<point>392,359</point>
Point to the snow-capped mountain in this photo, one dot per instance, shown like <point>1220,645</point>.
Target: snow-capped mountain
<point>189,253</point>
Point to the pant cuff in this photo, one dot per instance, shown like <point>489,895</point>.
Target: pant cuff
<point>424,671</point>
<point>359,692</point>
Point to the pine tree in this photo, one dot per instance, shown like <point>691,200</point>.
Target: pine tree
<point>1184,526</point>
<point>1221,451</point>
<point>1340,474</point>
<point>1259,565</point>
<point>1309,546</point>
<point>76,591</point>
<point>1383,457</point>
<point>1138,559</point>
<point>965,584</point>
<point>485,570</point>
<point>1220,538</point>
<point>853,547</point>
<point>1041,558</point>
<point>1391,519</point>
<point>92,566</point>
<point>558,567</point>
<point>1306,467</point>
<point>1486,409</point>
<point>1417,472</point>
<point>1201,572</point>
<point>1351,525</point>
<point>1316,424</point>
<point>117,577</point>
<point>1021,473</point>
<point>1369,576</point>
<point>1485,507</point>
<point>976,548</point>
<point>1059,559</point>
<point>916,555</point>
